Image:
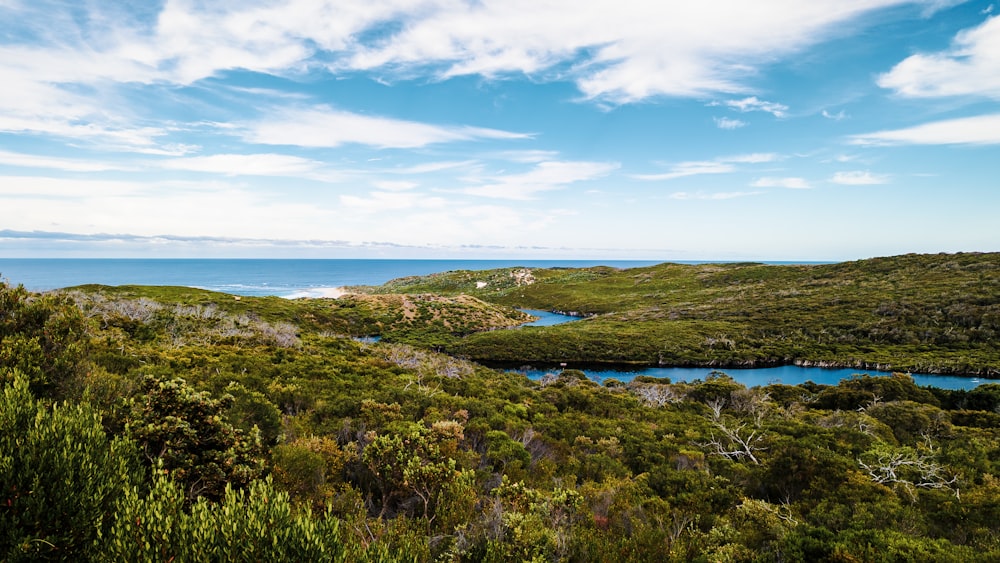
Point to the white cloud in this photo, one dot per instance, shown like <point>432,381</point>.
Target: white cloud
<point>840,115</point>
<point>684,169</point>
<point>727,123</point>
<point>380,202</point>
<point>790,183</point>
<point>971,66</point>
<point>529,156</point>
<point>754,104</point>
<point>72,73</point>
<point>977,130</point>
<point>614,51</point>
<point>711,196</point>
<point>29,187</point>
<point>56,163</point>
<point>326,127</point>
<point>545,176</point>
<point>91,125</point>
<point>245,164</point>
<point>624,51</point>
<point>859,178</point>
<point>155,208</point>
<point>721,165</point>
<point>752,158</point>
<point>431,167</point>
<point>394,185</point>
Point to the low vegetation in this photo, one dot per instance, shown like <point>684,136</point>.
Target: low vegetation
<point>914,313</point>
<point>170,424</point>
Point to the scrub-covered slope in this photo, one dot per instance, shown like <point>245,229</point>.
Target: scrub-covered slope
<point>927,313</point>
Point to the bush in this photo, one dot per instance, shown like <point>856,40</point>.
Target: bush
<point>60,477</point>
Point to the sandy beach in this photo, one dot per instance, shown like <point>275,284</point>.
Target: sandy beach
<point>318,293</point>
<point>330,292</point>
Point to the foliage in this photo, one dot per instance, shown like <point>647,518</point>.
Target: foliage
<point>43,337</point>
<point>183,433</point>
<point>60,477</point>
<point>256,524</point>
<point>919,313</point>
<point>388,450</point>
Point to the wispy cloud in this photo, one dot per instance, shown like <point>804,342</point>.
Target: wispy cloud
<point>754,104</point>
<point>246,164</point>
<point>622,52</point>
<point>394,185</point>
<point>859,178</point>
<point>977,130</point>
<point>383,201</point>
<point>72,74</point>
<point>789,183</point>
<point>840,115</point>
<point>527,156</point>
<point>711,196</point>
<point>969,67</point>
<point>431,167</point>
<point>545,176</point>
<point>751,158</point>
<point>327,127</point>
<point>685,169</point>
<point>721,165</point>
<point>187,246</point>
<point>727,123</point>
<point>57,163</point>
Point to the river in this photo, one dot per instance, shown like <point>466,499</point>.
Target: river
<point>751,377</point>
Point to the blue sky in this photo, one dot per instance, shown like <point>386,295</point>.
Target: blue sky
<point>771,130</point>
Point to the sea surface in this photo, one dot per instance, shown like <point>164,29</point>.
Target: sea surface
<point>284,278</point>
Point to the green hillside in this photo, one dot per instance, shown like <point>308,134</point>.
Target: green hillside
<point>172,424</point>
<point>919,313</point>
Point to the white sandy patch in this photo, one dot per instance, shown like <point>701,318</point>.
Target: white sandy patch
<point>319,293</point>
<point>331,292</point>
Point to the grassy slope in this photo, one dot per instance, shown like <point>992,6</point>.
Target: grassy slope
<point>428,317</point>
<point>928,313</point>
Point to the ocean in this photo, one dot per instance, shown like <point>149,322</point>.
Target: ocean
<point>284,278</point>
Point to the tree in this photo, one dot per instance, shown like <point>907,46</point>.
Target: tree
<point>42,336</point>
<point>908,469</point>
<point>410,461</point>
<point>185,433</point>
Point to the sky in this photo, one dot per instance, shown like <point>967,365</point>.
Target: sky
<point>580,129</point>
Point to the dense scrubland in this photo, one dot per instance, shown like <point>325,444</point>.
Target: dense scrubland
<point>915,313</point>
<point>173,424</point>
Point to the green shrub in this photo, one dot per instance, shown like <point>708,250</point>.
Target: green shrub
<point>60,477</point>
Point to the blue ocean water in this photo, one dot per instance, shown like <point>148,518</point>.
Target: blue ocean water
<point>285,278</point>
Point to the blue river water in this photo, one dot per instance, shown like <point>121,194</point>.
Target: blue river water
<point>789,375</point>
<point>546,318</point>
<point>750,377</point>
